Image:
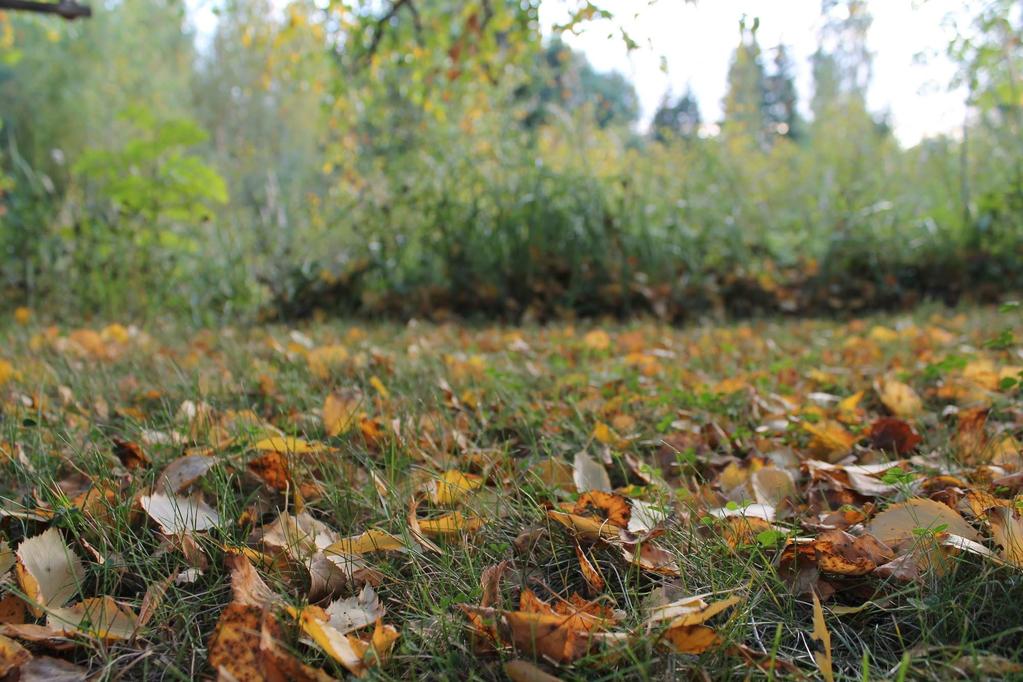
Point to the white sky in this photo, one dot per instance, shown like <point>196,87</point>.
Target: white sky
<point>697,41</point>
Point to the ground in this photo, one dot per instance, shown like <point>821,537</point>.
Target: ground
<point>592,500</point>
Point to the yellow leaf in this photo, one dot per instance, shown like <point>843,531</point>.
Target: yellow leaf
<point>603,433</point>
<point>597,339</point>
<point>830,438</point>
<point>375,382</point>
<point>691,639</point>
<point>22,315</point>
<point>452,486</point>
<point>850,403</point>
<point>7,372</point>
<point>820,634</point>
<point>99,617</point>
<point>287,444</point>
<point>339,414</point>
<point>323,360</point>
<point>883,334</point>
<point>454,523</point>
<point>12,656</point>
<point>524,671</point>
<point>372,540</point>
<point>900,399</point>
<point>1008,532</point>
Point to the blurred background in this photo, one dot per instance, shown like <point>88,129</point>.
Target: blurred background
<point>510,159</point>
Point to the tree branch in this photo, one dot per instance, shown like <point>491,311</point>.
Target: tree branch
<point>68,9</point>
<point>381,24</point>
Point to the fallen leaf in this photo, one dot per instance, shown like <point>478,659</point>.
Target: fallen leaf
<point>691,639</point>
<point>893,435</point>
<point>243,647</point>
<point>372,540</point>
<point>822,641</point>
<point>830,438</point>
<point>840,553</point>
<point>453,524</point>
<point>451,486</point>
<point>130,454</point>
<point>895,526</point>
<point>1008,532</point>
<point>183,472</point>
<point>49,573</point>
<point>900,399</point>
<point>591,574</point>
<point>286,445</point>
<point>589,474</point>
<point>598,339</point>
<point>12,656</point>
<point>524,671</point>
<point>339,413</point>
<point>772,486</point>
<point>354,613</point>
<point>100,617</point>
<point>689,611</point>
<point>272,469</point>
<point>176,514</point>
<point>970,438</point>
<point>48,669</point>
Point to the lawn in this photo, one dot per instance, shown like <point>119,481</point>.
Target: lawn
<point>770,499</point>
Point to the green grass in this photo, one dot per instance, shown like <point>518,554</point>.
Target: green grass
<point>537,397</point>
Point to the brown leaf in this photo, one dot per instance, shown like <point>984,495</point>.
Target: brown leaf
<point>970,437</point>
<point>272,469</point>
<point>591,574</point>
<point>183,472</point>
<point>47,669</point>
<point>893,435</point>
<point>130,454</point>
<point>840,553</point>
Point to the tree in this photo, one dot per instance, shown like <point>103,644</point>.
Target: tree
<point>679,119</point>
<point>745,100</point>
<point>566,79</point>
<point>782,99</point>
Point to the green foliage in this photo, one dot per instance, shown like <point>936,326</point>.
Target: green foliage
<point>419,158</point>
<point>153,177</point>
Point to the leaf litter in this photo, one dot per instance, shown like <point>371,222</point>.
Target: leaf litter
<point>586,478</point>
